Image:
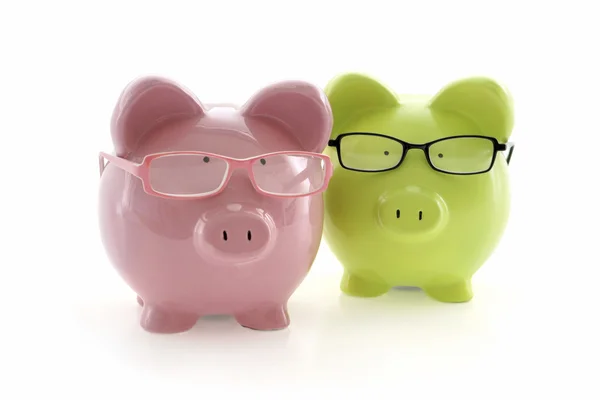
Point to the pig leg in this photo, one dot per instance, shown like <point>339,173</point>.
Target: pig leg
<point>159,320</point>
<point>451,292</point>
<point>267,318</point>
<point>353,285</point>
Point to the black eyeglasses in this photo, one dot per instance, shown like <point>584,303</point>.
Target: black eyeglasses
<point>456,155</point>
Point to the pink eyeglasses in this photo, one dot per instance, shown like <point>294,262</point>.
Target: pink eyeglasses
<point>192,174</point>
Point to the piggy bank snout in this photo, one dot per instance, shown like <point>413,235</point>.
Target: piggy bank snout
<point>227,234</point>
<point>413,213</point>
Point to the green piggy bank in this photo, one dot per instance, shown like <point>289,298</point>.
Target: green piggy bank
<point>420,191</point>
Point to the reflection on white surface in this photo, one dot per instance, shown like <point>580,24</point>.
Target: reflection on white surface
<point>511,333</point>
<point>289,174</point>
<point>333,339</point>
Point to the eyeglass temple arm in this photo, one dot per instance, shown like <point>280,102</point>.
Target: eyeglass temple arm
<point>122,163</point>
<point>510,147</point>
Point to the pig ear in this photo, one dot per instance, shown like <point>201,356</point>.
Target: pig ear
<point>352,94</point>
<point>144,103</point>
<point>483,101</point>
<point>301,107</point>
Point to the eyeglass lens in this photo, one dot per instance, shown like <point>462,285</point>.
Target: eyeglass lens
<point>462,155</point>
<point>187,174</point>
<point>289,175</point>
<point>370,153</point>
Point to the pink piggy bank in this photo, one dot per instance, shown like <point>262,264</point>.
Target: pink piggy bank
<point>214,209</point>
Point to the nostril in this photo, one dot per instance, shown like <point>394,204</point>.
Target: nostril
<point>397,213</point>
<point>249,235</point>
<point>225,235</point>
<point>420,215</point>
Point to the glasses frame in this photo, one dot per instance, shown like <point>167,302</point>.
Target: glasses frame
<point>406,146</point>
<point>142,171</point>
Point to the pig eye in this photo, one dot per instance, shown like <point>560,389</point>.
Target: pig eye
<point>387,153</point>
<point>263,161</point>
<point>206,159</point>
<point>440,155</point>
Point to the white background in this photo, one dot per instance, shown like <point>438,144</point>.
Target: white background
<point>69,326</point>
